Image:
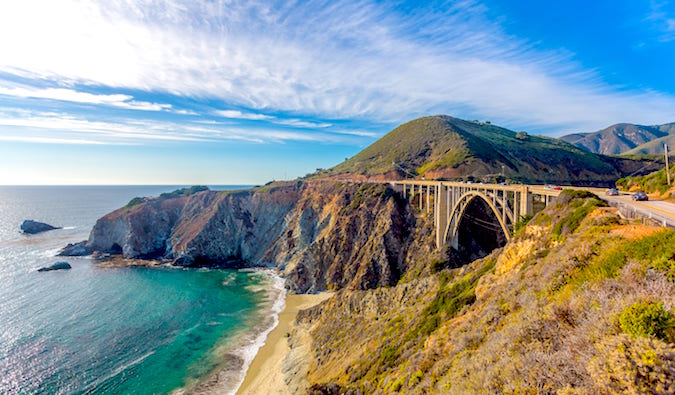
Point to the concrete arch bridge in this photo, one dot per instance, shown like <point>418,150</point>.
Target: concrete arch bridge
<point>449,202</point>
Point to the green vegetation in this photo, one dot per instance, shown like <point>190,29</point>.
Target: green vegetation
<point>583,313</point>
<point>450,299</point>
<point>648,319</point>
<point>135,202</point>
<point>522,222</point>
<point>184,192</point>
<point>653,182</point>
<point>648,252</point>
<point>582,202</point>
<point>447,147</point>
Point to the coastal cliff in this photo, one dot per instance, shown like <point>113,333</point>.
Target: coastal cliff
<point>578,302</point>
<point>321,235</point>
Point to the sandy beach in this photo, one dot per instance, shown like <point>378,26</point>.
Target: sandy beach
<point>264,375</point>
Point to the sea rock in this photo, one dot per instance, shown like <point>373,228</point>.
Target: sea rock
<point>32,227</point>
<point>77,249</point>
<point>56,266</point>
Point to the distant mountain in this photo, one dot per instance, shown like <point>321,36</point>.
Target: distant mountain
<point>449,148</point>
<point>621,138</point>
<point>654,147</point>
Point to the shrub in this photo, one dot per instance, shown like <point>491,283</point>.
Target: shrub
<point>647,319</point>
<point>522,222</point>
<point>581,209</point>
<point>184,191</point>
<point>633,366</point>
<point>135,202</point>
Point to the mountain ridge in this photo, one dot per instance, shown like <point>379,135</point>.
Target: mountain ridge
<point>444,147</point>
<point>622,138</point>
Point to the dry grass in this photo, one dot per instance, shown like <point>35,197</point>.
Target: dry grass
<point>544,321</point>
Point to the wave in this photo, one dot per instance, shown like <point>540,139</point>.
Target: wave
<point>243,349</point>
<point>91,388</point>
<point>247,353</point>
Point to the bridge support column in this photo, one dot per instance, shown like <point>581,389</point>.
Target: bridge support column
<point>442,213</point>
<point>525,203</point>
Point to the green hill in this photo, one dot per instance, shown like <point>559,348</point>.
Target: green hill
<point>443,147</point>
<point>623,138</point>
<point>654,147</point>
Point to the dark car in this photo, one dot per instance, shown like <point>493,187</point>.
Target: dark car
<point>612,192</point>
<point>640,196</point>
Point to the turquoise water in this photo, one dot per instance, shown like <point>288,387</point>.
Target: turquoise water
<point>113,330</point>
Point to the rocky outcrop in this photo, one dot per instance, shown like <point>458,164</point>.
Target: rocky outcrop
<point>321,235</point>
<point>76,249</point>
<point>32,227</point>
<point>56,266</point>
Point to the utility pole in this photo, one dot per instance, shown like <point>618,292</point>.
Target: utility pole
<point>665,148</point>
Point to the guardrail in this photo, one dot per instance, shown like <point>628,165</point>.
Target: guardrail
<point>645,214</point>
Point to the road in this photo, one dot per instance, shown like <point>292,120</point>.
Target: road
<point>660,211</point>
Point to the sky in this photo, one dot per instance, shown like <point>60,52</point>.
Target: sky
<point>246,91</point>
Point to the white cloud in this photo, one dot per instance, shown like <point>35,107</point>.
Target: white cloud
<point>235,114</point>
<point>299,123</point>
<point>36,125</point>
<point>70,95</point>
<point>347,60</point>
<point>49,140</point>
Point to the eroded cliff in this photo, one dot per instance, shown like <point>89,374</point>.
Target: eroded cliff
<point>321,235</point>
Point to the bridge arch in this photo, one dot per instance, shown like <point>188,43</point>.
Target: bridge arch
<point>498,207</point>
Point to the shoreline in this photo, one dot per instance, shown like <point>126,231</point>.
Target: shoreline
<point>236,356</point>
<point>264,375</point>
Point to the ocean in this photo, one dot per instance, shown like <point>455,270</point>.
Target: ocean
<point>95,329</point>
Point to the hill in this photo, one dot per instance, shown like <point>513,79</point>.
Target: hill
<point>654,147</point>
<point>443,147</point>
<point>561,309</point>
<point>621,138</point>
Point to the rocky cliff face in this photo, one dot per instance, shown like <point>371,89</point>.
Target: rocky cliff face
<point>321,235</point>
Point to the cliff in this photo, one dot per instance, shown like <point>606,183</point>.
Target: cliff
<point>579,301</point>
<point>321,235</point>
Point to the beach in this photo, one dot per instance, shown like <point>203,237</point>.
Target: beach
<point>264,375</point>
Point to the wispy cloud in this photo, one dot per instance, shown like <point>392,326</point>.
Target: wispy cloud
<point>357,60</point>
<point>70,95</point>
<point>235,114</point>
<point>34,126</point>
<point>49,140</point>
<point>662,21</point>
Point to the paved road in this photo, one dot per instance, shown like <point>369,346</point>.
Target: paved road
<point>660,211</point>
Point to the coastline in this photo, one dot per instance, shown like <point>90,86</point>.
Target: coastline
<point>235,357</point>
<point>265,373</point>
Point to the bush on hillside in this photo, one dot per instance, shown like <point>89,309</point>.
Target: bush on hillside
<point>648,319</point>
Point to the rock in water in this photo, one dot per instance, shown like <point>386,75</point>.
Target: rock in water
<point>56,266</point>
<point>32,227</point>
<point>77,249</point>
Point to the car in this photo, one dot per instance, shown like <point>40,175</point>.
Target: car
<point>612,192</point>
<point>640,196</point>
<point>557,188</point>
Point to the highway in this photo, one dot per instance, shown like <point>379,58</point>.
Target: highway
<point>660,211</point>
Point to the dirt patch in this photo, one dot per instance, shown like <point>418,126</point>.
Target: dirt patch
<point>634,231</point>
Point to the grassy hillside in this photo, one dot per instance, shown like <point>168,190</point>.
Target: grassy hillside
<point>621,138</point>
<point>578,302</point>
<point>451,148</point>
<point>650,183</point>
<point>654,147</point>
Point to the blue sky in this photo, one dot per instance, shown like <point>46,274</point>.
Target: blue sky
<point>239,92</point>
